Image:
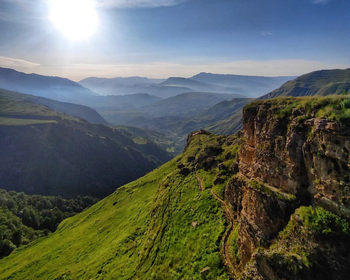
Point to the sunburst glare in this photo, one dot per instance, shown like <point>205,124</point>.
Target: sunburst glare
<point>76,19</point>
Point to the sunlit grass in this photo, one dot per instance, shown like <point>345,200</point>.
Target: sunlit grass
<point>333,107</point>
<point>161,226</point>
<point>140,140</point>
<point>13,121</point>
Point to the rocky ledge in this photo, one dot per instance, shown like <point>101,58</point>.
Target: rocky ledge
<point>295,156</point>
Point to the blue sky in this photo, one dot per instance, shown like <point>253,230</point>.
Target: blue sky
<point>162,38</point>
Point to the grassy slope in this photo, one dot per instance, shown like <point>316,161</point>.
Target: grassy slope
<point>145,229</point>
<point>92,241</point>
<point>25,107</point>
<point>321,83</point>
<point>15,105</point>
<point>333,107</point>
<point>142,231</point>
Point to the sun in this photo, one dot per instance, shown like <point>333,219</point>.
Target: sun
<point>76,19</point>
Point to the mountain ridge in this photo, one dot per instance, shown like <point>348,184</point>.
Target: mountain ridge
<point>205,82</point>
<point>76,110</point>
<point>57,88</point>
<point>321,83</point>
<point>211,213</point>
<point>50,153</point>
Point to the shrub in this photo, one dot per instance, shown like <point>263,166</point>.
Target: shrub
<point>323,222</point>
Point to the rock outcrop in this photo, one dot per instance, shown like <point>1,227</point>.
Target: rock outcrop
<point>289,158</point>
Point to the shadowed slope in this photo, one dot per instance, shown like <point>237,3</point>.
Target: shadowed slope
<point>160,226</point>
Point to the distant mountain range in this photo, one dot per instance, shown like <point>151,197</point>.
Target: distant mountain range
<point>252,86</point>
<point>177,105</point>
<point>119,85</point>
<point>317,83</point>
<point>57,88</point>
<point>225,117</point>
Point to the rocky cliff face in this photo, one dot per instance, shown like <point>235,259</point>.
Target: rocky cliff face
<point>297,154</point>
<point>289,158</point>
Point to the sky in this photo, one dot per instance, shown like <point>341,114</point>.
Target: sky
<point>163,38</point>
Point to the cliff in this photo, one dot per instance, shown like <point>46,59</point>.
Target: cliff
<point>269,203</point>
<point>295,155</point>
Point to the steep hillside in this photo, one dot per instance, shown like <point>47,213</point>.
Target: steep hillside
<point>14,103</point>
<point>50,87</point>
<point>273,204</point>
<point>46,152</point>
<point>321,83</point>
<point>166,225</point>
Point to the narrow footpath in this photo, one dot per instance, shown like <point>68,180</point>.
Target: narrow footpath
<point>201,187</point>
<point>229,217</point>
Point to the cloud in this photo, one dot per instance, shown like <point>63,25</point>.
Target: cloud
<point>19,64</point>
<point>138,3</point>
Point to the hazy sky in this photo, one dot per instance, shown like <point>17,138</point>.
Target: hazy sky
<point>162,38</point>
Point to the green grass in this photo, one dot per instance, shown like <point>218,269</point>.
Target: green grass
<point>270,191</point>
<point>140,140</point>
<point>170,150</point>
<point>158,227</point>
<point>13,121</point>
<point>311,245</point>
<point>163,140</point>
<point>17,105</point>
<point>322,221</point>
<point>333,107</point>
<point>94,240</point>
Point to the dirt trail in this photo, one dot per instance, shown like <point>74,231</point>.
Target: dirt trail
<point>229,217</point>
<point>201,187</point>
<point>225,245</point>
<point>227,209</point>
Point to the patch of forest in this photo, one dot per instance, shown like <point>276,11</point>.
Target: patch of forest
<point>24,218</point>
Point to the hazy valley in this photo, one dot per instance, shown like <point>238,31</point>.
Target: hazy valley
<point>174,140</point>
<point>265,197</point>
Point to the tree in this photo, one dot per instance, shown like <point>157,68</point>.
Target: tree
<point>17,237</point>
